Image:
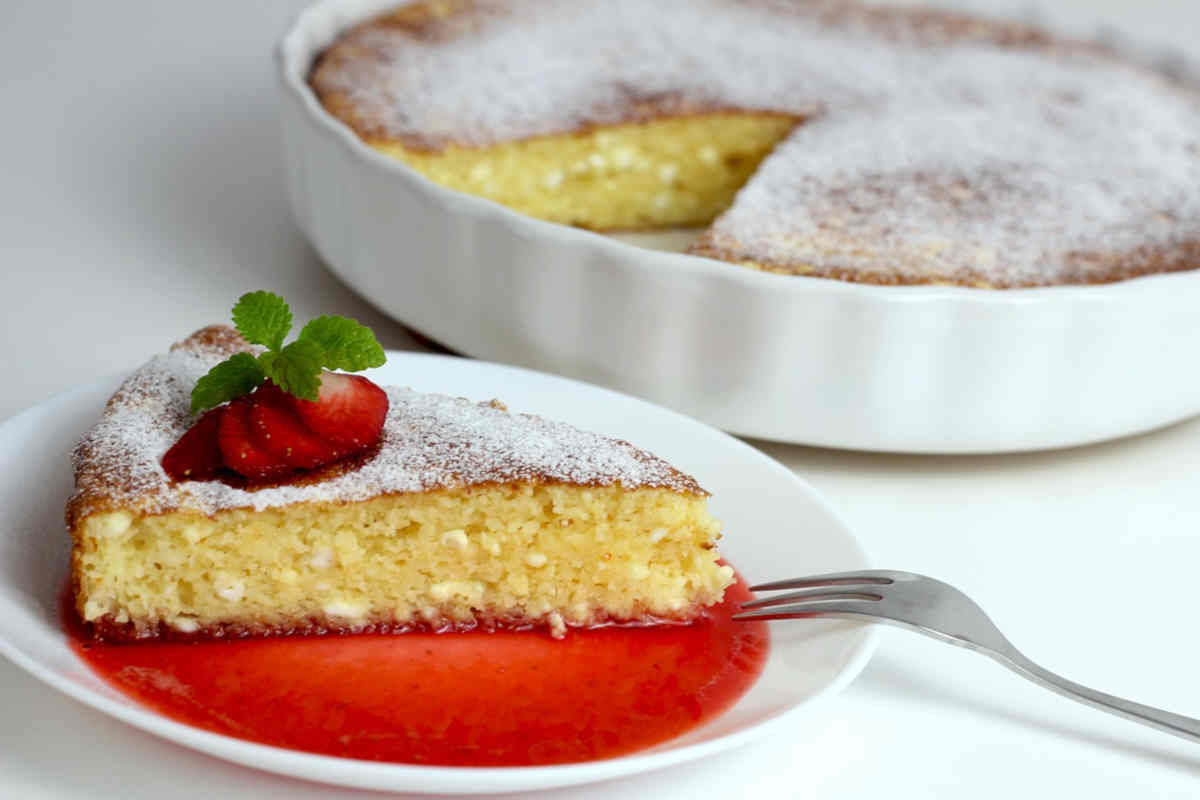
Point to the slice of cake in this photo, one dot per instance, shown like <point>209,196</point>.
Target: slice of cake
<point>461,515</point>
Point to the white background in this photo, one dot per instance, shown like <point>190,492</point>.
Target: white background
<point>140,193</point>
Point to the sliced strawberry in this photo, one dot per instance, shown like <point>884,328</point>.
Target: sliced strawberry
<point>197,454</point>
<point>277,428</point>
<point>349,411</point>
<point>239,449</point>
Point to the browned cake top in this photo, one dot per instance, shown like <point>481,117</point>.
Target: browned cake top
<point>430,441</point>
<point>935,147</point>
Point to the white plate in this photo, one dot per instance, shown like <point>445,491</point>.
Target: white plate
<point>775,526</point>
<point>933,369</point>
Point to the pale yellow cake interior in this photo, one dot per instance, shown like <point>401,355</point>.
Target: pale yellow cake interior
<point>547,554</point>
<point>669,172</point>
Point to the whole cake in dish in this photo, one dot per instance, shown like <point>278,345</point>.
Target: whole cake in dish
<point>818,137</point>
<point>461,515</point>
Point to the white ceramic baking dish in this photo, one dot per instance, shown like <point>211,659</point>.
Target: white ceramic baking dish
<point>805,360</point>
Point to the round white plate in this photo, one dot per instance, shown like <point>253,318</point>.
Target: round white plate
<point>776,526</point>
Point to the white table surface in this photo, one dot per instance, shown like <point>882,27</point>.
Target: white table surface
<point>140,193</point>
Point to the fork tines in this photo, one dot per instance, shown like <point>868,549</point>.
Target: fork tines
<point>836,593</point>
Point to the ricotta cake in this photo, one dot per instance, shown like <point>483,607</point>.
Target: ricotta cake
<point>817,137</point>
<point>463,516</point>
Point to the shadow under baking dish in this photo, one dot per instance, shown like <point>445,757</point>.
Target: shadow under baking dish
<point>507,698</point>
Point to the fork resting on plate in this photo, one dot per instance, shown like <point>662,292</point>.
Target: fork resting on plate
<point>936,609</point>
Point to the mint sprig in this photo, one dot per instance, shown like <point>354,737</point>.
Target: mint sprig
<point>327,342</point>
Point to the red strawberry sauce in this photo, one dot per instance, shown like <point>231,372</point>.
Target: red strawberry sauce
<point>479,699</point>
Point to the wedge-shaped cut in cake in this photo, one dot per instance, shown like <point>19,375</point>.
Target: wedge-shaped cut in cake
<point>465,516</point>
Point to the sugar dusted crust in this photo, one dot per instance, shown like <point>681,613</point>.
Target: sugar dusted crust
<point>932,148</point>
<point>397,77</point>
<point>429,442</point>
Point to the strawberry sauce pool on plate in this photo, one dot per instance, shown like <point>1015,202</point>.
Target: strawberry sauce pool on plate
<point>509,698</point>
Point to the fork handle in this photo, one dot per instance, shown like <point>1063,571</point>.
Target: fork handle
<point>1178,724</point>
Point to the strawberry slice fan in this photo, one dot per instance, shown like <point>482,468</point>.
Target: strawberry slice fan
<point>270,433</point>
<point>283,410</point>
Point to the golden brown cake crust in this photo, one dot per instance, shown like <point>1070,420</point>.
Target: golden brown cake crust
<point>1095,267</point>
<point>358,53</point>
<point>934,148</point>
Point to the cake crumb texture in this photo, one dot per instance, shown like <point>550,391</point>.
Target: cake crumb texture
<point>672,172</point>
<point>515,555</point>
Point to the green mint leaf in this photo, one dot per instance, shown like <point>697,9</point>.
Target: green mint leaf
<point>263,318</point>
<point>346,344</point>
<point>234,377</point>
<point>296,368</point>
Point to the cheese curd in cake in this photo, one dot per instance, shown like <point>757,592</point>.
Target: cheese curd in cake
<point>825,138</point>
<point>466,515</point>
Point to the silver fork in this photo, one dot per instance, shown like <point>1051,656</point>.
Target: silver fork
<point>938,610</point>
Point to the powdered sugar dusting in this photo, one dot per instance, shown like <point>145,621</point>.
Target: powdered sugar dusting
<point>936,147</point>
<point>430,441</point>
<point>1059,182</point>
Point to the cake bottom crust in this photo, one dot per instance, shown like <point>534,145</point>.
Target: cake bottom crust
<point>108,629</point>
